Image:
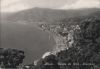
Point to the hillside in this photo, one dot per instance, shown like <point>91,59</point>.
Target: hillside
<point>47,15</point>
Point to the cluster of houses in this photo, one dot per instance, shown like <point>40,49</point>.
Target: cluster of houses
<point>62,34</point>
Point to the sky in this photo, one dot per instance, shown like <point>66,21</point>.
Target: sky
<point>83,4</point>
<point>18,5</point>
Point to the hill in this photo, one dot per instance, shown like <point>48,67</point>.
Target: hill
<point>47,15</point>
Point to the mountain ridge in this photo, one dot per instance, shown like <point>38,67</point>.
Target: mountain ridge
<point>48,15</point>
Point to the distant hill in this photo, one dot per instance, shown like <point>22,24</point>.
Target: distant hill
<point>47,15</point>
<point>78,19</point>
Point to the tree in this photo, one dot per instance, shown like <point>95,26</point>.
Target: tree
<point>90,29</point>
<point>11,58</point>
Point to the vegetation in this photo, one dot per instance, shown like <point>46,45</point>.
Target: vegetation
<point>11,58</point>
<point>86,47</point>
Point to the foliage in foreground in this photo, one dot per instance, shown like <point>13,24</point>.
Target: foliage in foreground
<point>11,58</point>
